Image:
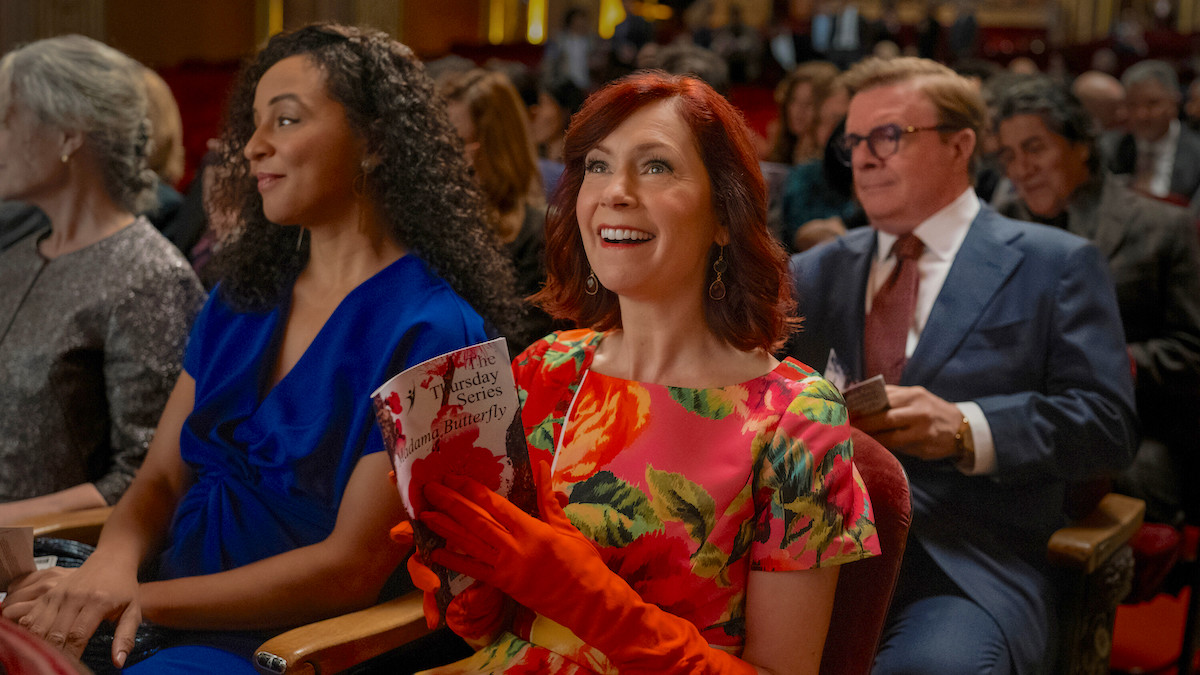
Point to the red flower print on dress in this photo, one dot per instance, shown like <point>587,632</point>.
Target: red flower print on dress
<point>838,493</point>
<point>651,567</point>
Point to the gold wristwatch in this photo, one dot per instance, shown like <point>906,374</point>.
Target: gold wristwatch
<point>964,445</point>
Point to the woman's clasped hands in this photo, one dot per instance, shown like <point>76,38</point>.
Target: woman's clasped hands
<point>65,606</point>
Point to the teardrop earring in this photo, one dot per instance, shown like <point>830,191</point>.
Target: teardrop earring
<point>591,285</point>
<point>716,290</point>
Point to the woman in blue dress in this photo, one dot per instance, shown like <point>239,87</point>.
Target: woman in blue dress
<point>264,500</point>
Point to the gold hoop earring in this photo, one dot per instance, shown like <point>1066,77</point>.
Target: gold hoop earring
<point>716,290</point>
<point>591,285</point>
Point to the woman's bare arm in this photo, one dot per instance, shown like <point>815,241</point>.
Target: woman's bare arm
<point>342,573</point>
<point>66,606</point>
<point>787,618</point>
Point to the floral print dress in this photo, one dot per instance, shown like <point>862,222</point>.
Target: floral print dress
<point>685,491</point>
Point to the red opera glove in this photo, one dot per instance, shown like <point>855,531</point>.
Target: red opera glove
<point>476,614</point>
<point>549,567</point>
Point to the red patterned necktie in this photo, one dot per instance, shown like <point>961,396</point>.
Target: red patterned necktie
<point>886,331</point>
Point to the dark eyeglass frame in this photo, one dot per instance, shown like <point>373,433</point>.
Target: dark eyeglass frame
<point>885,133</point>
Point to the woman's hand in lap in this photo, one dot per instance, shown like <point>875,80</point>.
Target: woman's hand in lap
<point>65,606</point>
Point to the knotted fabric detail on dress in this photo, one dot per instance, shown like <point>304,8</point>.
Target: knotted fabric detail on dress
<point>886,330</point>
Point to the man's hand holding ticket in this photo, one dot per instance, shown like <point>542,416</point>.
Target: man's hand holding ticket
<point>862,398</point>
<point>866,398</point>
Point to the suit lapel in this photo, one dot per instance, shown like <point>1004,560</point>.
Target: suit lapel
<point>1098,211</point>
<point>860,250</point>
<point>835,307</point>
<point>983,263</point>
<point>1185,169</point>
<point>1116,203</point>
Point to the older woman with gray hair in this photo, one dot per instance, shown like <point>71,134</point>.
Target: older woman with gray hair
<point>95,310</point>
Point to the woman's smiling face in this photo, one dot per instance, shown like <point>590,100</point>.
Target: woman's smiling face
<point>303,153</point>
<point>645,207</point>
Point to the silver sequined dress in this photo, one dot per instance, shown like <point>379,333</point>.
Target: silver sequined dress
<point>90,347</point>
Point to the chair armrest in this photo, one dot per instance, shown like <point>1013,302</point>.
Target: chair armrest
<point>1087,543</point>
<point>83,525</point>
<point>333,645</point>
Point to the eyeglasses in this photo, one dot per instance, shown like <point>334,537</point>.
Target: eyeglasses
<point>882,141</point>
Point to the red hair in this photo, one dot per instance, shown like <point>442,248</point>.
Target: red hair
<point>757,311</point>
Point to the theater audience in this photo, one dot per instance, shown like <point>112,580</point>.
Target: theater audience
<point>1160,155</point>
<point>793,139</point>
<point>167,160</point>
<point>490,119</point>
<point>166,129</point>
<point>849,35</point>
<point>657,243</point>
<point>572,56</point>
<point>1191,107</point>
<point>739,45</point>
<point>201,219</point>
<point>1049,153</point>
<point>789,33</point>
<point>1103,97</point>
<point>682,58</point>
<point>1000,345</point>
<point>629,37</point>
<point>264,501</point>
<point>96,304</point>
<point>817,201</point>
<point>546,118</point>
<point>929,32</point>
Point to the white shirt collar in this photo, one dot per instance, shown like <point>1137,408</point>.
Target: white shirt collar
<point>1167,142</point>
<point>943,232</point>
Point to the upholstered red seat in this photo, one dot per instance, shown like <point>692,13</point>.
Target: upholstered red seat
<point>864,590</point>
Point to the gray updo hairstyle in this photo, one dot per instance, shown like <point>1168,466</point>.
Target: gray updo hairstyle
<point>76,83</point>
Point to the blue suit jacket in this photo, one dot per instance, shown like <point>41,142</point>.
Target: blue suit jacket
<point>1026,325</point>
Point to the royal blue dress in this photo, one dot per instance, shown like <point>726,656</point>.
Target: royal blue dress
<point>270,465</point>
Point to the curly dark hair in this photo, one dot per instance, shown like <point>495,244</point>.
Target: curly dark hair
<point>422,182</point>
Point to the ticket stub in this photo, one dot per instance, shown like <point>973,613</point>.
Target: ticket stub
<point>867,397</point>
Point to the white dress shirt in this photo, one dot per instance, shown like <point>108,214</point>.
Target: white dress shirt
<point>943,234</point>
<point>1164,149</point>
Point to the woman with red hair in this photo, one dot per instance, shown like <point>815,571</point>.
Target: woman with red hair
<point>702,493</point>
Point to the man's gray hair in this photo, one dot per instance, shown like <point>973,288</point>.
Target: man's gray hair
<point>1151,69</point>
<point>75,83</point>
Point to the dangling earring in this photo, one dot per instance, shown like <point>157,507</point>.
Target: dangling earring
<point>359,186</point>
<point>300,238</point>
<point>716,290</point>
<point>591,285</point>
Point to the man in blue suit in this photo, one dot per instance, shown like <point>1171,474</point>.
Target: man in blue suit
<point>1010,378</point>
